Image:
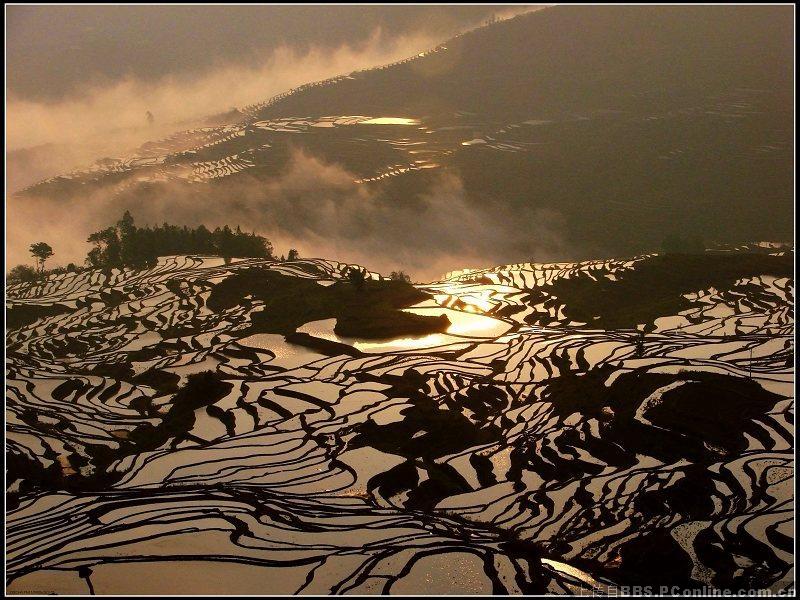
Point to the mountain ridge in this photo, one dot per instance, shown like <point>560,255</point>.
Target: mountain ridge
<point>579,131</point>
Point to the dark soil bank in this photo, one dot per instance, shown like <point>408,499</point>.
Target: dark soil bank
<point>368,310</point>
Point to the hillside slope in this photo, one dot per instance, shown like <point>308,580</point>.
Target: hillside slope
<point>577,131</point>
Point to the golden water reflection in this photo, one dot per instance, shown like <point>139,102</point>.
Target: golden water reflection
<point>390,121</point>
<point>463,325</point>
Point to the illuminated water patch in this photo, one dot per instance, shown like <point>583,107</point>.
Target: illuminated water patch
<point>390,121</point>
<point>464,327</point>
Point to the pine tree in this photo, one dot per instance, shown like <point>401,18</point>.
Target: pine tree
<point>41,251</point>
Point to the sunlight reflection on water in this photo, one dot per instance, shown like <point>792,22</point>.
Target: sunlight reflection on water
<point>390,121</point>
<point>463,324</point>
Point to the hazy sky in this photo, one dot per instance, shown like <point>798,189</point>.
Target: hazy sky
<point>80,79</point>
<point>55,52</point>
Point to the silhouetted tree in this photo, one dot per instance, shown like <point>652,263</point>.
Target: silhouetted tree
<point>22,274</point>
<point>203,240</point>
<point>41,251</point>
<point>293,255</point>
<point>130,250</point>
<point>106,251</point>
<point>356,276</point>
<point>640,344</point>
<point>126,245</point>
<point>400,276</point>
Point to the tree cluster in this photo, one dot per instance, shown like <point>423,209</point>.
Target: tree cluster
<point>125,245</point>
<point>400,276</point>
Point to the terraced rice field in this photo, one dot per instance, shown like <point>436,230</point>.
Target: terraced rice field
<point>525,449</point>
